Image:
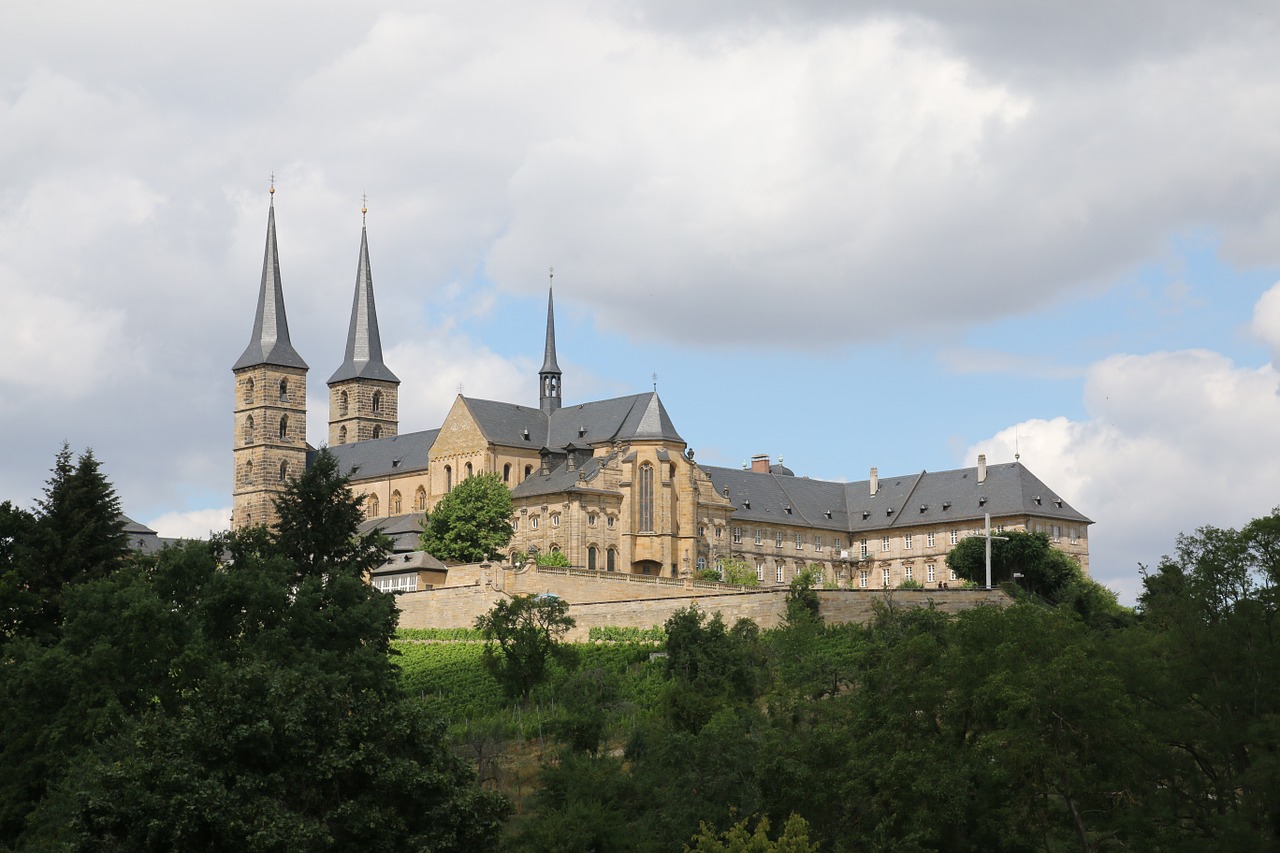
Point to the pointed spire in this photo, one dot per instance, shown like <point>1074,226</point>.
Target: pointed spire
<point>549,376</point>
<point>364,343</point>
<point>270,341</point>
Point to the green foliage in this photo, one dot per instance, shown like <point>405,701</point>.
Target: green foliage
<point>738,572</point>
<point>709,666</point>
<point>471,523</point>
<point>619,634</point>
<point>75,535</point>
<point>736,839</point>
<point>1045,570</point>
<point>708,574</point>
<point>911,583</point>
<point>802,600</point>
<point>552,558</point>
<point>249,704</point>
<point>523,634</point>
<point>457,634</point>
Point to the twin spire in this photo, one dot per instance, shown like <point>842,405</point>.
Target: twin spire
<point>269,343</point>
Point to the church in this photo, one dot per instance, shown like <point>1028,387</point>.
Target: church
<point>610,483</point>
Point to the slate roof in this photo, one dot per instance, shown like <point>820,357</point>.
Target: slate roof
<point>412,561</point>
<point>404,531</point>
<point>269,343</point>
<point>380,457</point>
<point>143,538</point>
<point>926,498</point>
<point>560,479</point>
<point>364,343</point>
<point>639,416</point>
<point>549,355</point>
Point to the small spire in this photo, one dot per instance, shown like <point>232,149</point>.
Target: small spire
<point>549,376</point>
<point>655,383</point>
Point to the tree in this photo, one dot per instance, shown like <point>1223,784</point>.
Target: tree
<point>471,523</point>
<point>1045,570</point>
<point>524,633</point>
<point>552,558</point>
<point>736,839</point>
<point>237,694</point>
<point>75,535</point>
<point>737,571</point>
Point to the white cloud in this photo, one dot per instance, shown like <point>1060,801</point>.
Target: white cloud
<point>1266,321</point>
<point>196,524</point>
<point>1174,441</point>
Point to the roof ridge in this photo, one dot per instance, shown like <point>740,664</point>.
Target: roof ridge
<point>906,499</point>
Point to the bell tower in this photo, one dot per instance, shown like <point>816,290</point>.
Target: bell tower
<point>270,444</point>
<point>363,392</point>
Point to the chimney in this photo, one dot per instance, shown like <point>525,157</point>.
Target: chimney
<point>760,463</point>
<point>875,481</point>
<point>982,468</point>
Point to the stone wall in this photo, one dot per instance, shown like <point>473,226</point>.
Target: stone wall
<point>641,602</point>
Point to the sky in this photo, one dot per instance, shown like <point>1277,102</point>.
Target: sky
<point>845,234</point>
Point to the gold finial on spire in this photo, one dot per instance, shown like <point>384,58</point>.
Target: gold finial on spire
<point>272,190</point>
<point>364,208</point>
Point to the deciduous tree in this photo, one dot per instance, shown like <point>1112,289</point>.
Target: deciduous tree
<point>524,633</point>
<point>471,523</point>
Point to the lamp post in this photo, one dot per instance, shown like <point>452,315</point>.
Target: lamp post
<point>989,537</point>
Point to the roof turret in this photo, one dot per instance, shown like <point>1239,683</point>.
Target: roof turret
<point>269,343</point>
<point>549,377</point>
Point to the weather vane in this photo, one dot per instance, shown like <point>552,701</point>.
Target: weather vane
<point>364,207</point>
<point>655,383</point>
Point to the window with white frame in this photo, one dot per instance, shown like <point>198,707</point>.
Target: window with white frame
<point>817,543</point>
<point>759,571</point>
<point>591,520</point>
<point>737,536</point>
<point>702,530</point>
<point>779,572</point>
<point>884,544</point>
<point>555,520</point>
<point>533,522</point>
<point>953,574</point>
<point>884,574</point>
<point>799,541</point>
<point>931,572</point>
<point>862,579</point>
<point>907,571</point>
<point>777,539</point>
<point>702,564</point>
<point>863,546</point>
<point>515,524</point>
<point>759,536</point>
<point>610,521</point>
<point>397,583</point>
<point>906,542</point>
<point>1057,533</point>
<point>928,540</point>
<point>955,537</point>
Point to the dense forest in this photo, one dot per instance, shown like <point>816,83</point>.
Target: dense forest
<point>251,693</point>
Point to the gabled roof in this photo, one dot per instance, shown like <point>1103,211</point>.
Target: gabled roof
<point>364,343</point>
<point>926,498</point>
<point>381,457</point>
<point>639,416</point>
<point>404,531</point>
<point>269,343</point>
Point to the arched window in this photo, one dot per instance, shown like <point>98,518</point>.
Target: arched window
<point>248,430</point>
<point>248,390</point>
<point>377,431</point>
<point>372,503</point>
<point>284,426</point>
<point>284,389</point>
<point>591,558</point>
<point>342,435</point>
<point>611,559</point>
<point>284,471</point>
<point>395,502</point>
<point>448,478</point>
<point>468,470</point>
<point>343,404</point>
<point>528,470</point>
<point>420,500</point>
<point>506,473</point>
<point>246,473</point>
<point>644,499</point>
<point>377,401</point>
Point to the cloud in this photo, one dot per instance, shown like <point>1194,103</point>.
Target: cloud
<point>1173,441</point>
<point>196,524</point>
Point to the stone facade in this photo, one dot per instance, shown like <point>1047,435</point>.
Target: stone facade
<point>363,410</point>
<point>271,439</point>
